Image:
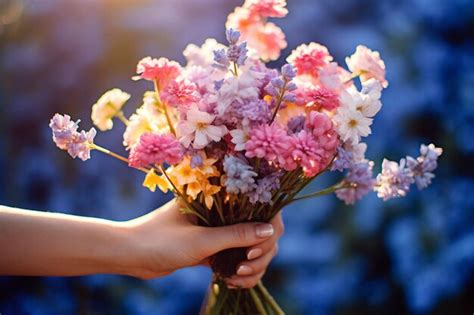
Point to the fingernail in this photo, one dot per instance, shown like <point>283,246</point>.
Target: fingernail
<point>264,230</point>
<point>244,271</point>
<point>254,253</point>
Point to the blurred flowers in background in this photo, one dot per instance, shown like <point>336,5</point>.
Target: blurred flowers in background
<point>406,256</point>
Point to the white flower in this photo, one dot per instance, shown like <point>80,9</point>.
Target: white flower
<point>108,105</point>
<point>241,88</point>
<point>198,128</point>
<point>202,56</point>
<point>148,118</point>
<point>239,138</point>
<point>351,124</point>
<point>368,104</point>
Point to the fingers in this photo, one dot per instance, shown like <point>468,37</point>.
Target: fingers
<point>267,245</point>
<point>246,282</point>
<point>238,235</point>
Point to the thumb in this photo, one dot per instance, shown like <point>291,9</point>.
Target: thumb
<point>237,235</point>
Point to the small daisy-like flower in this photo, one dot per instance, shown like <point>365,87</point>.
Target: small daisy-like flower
<point>108,106</point>
<point>198,129</point>
<point>351,124</point>
<point>155,149</point>
<point>160,70</point>
<point>367,64</point>
<point>309,59</point>
<point>67,138</point>
<point>239,138</point>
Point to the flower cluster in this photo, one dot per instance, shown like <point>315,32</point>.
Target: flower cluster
<point>225,128</point>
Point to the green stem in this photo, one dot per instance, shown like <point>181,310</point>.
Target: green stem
<point>165,107</point>
<point>322,192</point>
<point>279,101</point>
<point>270,299</point>
<point>236,71</point>
<point>258,303</point>
<point>122,117</point>
<point>112,154</point>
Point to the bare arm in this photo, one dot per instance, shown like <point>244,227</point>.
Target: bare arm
<point>158,243</point>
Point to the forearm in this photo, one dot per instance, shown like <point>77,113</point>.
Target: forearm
<point>53,244</point>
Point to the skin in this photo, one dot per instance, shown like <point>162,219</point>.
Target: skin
<point>37,243</point>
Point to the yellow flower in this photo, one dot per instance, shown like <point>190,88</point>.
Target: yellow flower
<point>207,192</point>
<point>152,180</point>
<point>196,179</point>
<point>108,105</point>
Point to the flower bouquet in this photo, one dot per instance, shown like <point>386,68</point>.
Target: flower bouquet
<point>238,141</point>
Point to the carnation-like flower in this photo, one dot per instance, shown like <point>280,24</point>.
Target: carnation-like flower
<point>361,182</point>
<point>239,176</point>
<point>198,129</point>
<point>309,59</point>
<point>423,166</point>
<point>108,105</point>
<point>67,138</point>
<point>181,94</point>
<point>162,70</point>
<point>322,99</point>
<point>263,191</point>
<point>308,153</point>
<point>155,149</point>
<point>367,64</point>
<point>322,130</point>
<point>268,142</point>
<point>264,37</point>
<point>394,180</point>
<point>351,124</point>
<point>267,8</point>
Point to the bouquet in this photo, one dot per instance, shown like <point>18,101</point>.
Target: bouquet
<point>237,141</point>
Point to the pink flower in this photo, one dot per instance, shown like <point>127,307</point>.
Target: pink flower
<point>155,149</point>
<point>161,70</point>
<point>180,93</point>
<point>266,39</point>
<point>268,142</point>
<point>267,8</point>
<point>322,129</point>
<point>367,64</point>
<point>322,98</point>
<point>309,59</point>
<point>308,153</point>
<point>334,77</point>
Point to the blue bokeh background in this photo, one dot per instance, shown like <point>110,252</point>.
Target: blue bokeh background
<point>407,256</point>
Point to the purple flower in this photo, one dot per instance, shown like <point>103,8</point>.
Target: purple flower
<point>237,53</point>
<point>239,176</point>
<point>67,138</point>
<point>288,72</point>
<point>220,59</point>
<point>394,180</point>
<point>256,111</point>
<point>296,124</point>
<point>232,36</point>
<point>343,160</point>
<point>265,186</point>
<point>423,166</point>
<point>360,178</point>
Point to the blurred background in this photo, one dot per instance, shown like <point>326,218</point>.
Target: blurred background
<point>406,256</point>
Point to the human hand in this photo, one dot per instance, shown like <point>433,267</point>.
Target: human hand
<point>166,240</point>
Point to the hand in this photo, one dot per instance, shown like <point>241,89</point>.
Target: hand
<point>166,240</point>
